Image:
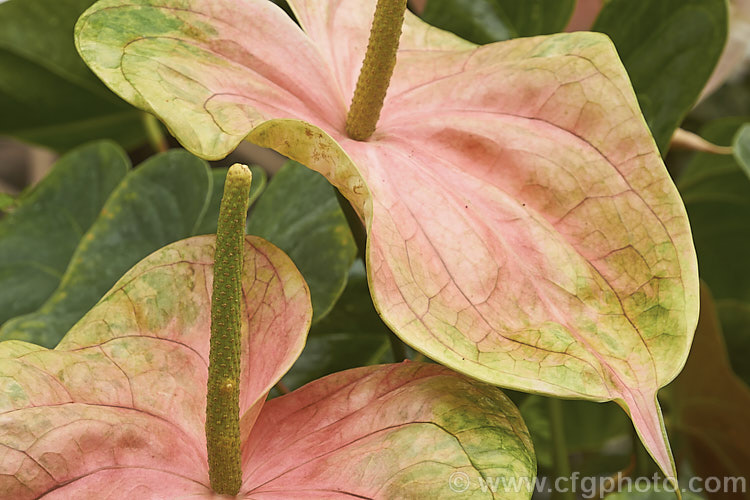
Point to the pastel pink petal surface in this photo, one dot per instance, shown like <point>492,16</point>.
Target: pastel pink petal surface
<point>117,410</point>
<point>410,430</point>
<point>522,228</point>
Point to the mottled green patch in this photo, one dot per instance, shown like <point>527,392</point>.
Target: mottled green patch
<point>564,43</point>
<point>492,433</point>
<point>12,394</point>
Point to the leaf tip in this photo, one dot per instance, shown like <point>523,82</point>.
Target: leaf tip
<point>647,418</point>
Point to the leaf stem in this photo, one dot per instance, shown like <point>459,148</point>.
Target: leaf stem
<point>377,356</point>
<point>560,447</point>
<point>155,133</point>
<point>377,69</point>
<point>222,398</point>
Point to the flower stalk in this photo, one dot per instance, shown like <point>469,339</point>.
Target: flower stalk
<point>377,69</point>
<point>223,394</point>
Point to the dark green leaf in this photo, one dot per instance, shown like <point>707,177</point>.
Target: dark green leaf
<point>208,224</point>
<point>538,17</point>
<point>735,321</point>
<point>669,48</point>
<point>47,94</point>
<point>299,213</point>
<point>479,21</point>
<point>38,238</point>
<point>741,148</point>
<point>284,5</point>
<point>160,202</point>
<point>351,335</point>
<point>588,427</point>
<point>716,192</point>
<point>486,21</point>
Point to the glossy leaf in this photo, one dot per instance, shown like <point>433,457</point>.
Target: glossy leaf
<point>481,21</point>
<point>351,335</point>
<point>219,175</point>
<point>486,21</point>
<point>522,228</point>
<point>119,405</point>
<point>741,148</point>
<point>161,201</point>
<point>538,17</point>
<point>712,405</point>
<point>670,49</point>
<point>299,213</point>
<point>39,236</point>
<point>47,94</point>
<point>717,196</point>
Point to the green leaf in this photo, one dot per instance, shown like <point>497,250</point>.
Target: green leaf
<point>486,21</point>
<point>47,94</point>
<point>716,192</point>
<point>669,49</point>
<point>160,202</point>
<point>735,322</point>
<point>538,17</point>
<point>219,175</point>
<point>39,237</point>
<point>351,335</point>
<point>588,426</point>
<point>6,201</point>
<point>479,21</point>
<point>741,148</point>
<point>299,213</point>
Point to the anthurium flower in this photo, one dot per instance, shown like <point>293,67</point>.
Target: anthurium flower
<point>522,227</point>
<point>117,410</point>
